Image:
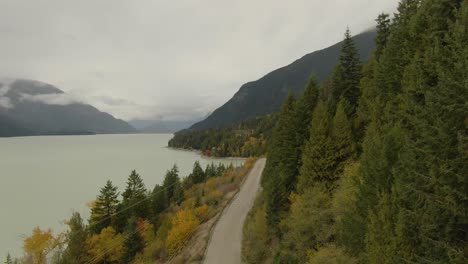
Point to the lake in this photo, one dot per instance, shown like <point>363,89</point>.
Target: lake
<point>44,179</point>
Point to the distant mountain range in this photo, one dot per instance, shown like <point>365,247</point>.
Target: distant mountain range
<point>34,108</point>
<point>265,95</point>
<point>161,126</point>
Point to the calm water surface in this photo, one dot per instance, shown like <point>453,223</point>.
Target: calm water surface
<point>44,179</point>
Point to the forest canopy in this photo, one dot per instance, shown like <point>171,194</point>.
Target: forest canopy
<point>380,176</point>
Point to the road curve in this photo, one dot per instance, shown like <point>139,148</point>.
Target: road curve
<point>225,244</point>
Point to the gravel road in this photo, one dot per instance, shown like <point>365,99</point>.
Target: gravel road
<point>225,244</point>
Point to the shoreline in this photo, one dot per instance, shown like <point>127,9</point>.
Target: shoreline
<point>84,134</point>
<point>199,152</point>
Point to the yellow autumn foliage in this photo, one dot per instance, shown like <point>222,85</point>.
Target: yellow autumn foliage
<point>213,197</point>
<point>249,162</point>
<point>107,246</point>
<point>39,244</point>
<point>211,183</point>
<point>202,212</point>
<point>189,203</point>
<point>183,225</point>
<point>254,146</point>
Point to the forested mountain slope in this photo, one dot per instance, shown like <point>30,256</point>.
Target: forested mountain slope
<point>379,176</point>
<point>265,95</point>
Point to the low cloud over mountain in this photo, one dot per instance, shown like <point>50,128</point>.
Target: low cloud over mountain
<point>34,108</point>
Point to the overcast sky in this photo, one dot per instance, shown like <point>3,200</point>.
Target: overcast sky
<point>171,59</point>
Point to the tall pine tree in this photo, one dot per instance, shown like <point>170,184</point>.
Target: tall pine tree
<point>197,175</point>
<point>135,198</point>
<point>104,208</point>
<point>159,200</point>
<point>370,103</point>
<point>346,76</point>
<point>383,31</point>
<point>303,115</point>
<point>281,163</point>
<point>169,184</point>
<point>342,136</point>
<point>318,164</point>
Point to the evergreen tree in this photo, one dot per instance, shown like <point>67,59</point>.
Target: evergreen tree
<point>76,238</point>
<point>274,154</point>
<point>104,209</point>
<point>368,101</point>
<point>210,170</point>
<point>169,183</point>
<point>279,173</point>
<point>159,200</point>
<point>342,136</point>
<point>379,158</point>
<point>382,142</point>
<point>178,192</point>
<point>134,242</point>
<point>378,107</point>
<point>318,164</point>
<point>304,107</point>
<point>380,238</point>
<point>285,151</point>
<point>220,170</point>
<point>198,175</point>
<point>399,49</point>
<point>303,114</point>
<point>370,104</point>
<point>346,76</point>
<point>8,259</point>
<point>383,31</point>
<point>135,199</point>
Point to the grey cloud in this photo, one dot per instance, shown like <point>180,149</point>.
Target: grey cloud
<point>132,110</point>
<point>51,99</point>
<point>5,86</point>
<point>113,101</point>
<point>5,102</point>
<point>172,58</point>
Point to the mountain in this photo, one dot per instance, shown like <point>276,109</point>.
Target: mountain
<point>265,95</point>
<point>34,108</point>
<point>161,126</point>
